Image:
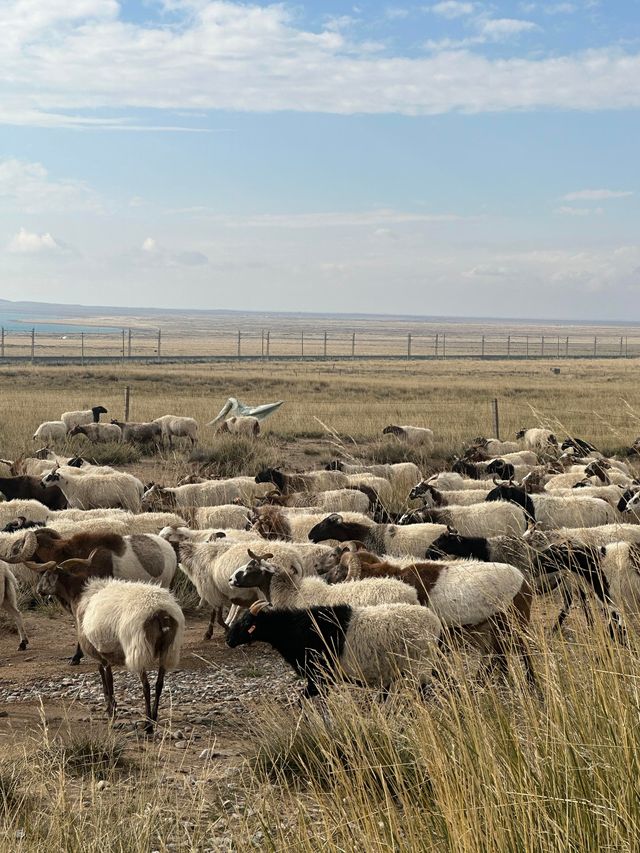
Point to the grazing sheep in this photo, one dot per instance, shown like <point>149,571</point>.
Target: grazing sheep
<point>412,435</point>
<point>87,416</point>
<point>139,433</point>
<point>463,595</point>
<point>403,476</point>
<point>495,447</point>
<point>379,538</point>
<point>448,481</point>
<point>209,493</point>
<point>51,431</point>
<point>271,522</point>
<point>584,489</point>
<point>91,491</point>
<point>431,497</point>
<point>30,510</point>
<point>120,622</point>
<point>553,512</point>
<point>9,602</point>
<point>370,645</point>
<point>486,519</point>
<point>351,499</point>
<point>313,481</point>
<point>174,426</point>
<point>245,425</point>
<point>98,524</point>
<point>538,439</point>
<point>98,433</point>
<point>591,536</point>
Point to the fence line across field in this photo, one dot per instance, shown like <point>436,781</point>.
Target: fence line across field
<point>249,344</point>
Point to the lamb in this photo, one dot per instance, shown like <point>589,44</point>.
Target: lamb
<point>174,426</point>
<point>317,481</point>
<point>371,645</point>
<point>286,587</point>
<point>120,622</point>
<point>9,602</point>
<point>142,557</point>
<point>380,538</point>
<point>226,515</point>
<point>139,433</point>
<point>98,433</point>
<point>88,416</point>
<point>209,493</point>
<point>91,491</point>
<point>538,439</point>
<point>412,435</point>
<point>486,519</point>
<point>463,595</point>
<point>51,431</point>
<point>246,425</point>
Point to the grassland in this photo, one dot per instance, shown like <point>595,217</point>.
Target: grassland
<point>483,769</point>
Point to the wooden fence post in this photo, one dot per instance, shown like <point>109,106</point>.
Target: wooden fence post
<point>566,347</point>
<point>302,344</point>
<point>33,345</point>
<point>127,397</point>
<point>496,419</point>
<point>262,343</point>
<point>239,343</point>
<point>82,348</point>
<point>268,342</point>
<point>527,345</point>
<point>542,347</point>
<point>436,344</point>
<point>409,346</point>
<point>595,346</point>
<point>159,345</point>
<point>2,344</point>
<point>508,346</point>
<point>444,344</point>
<point>325,344</point>
<point>123,346</point>
<point>482,348</point>
<point>129,345</point>
<point>353,345</point>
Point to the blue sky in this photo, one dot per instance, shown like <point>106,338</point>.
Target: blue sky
<point>444,157</point>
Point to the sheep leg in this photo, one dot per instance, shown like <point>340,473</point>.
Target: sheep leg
<point>158,693</point>
<point>77,656</point>
<point>567,601</point>
<point>216,616</point>
<point>12,610</point>
<point>146,691</point>
<point>106,675</point>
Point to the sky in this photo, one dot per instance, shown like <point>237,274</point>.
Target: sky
<point>437,158</point>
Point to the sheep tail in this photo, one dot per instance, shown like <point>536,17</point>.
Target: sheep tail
<point>155,643</point>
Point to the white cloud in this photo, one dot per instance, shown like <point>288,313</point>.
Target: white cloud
<point>28,243</point>
<point>596,195</point>
<point>452,9</point>
<point>497,29</point>
<point>560,9</point>
<point>153,254</point>
<point>27,188</point>
<point>149,245</point>
<point>486,270</point>
<point>221,55</point>
<point>566,210</point>
<point>396,13</point>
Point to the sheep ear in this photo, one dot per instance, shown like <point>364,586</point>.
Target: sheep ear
<point>335,516</point>
<point>452,530</point>
<point>218,534</point>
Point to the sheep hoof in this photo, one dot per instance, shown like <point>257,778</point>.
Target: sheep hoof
<point>74,661</point>
<point>208,635</point>
<point>23,645</point>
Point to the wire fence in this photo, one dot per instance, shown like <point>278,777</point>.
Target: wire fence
<point>158,345</point>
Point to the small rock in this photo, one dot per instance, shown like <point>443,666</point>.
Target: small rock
<point>102,785</point>
<point>181,744</point>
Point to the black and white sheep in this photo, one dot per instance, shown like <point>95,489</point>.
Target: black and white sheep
<point>92,491</point>
<point>371,645</point>
<point>86,416</point>
<point>484,519</point>
<point>98,433</point>
<point>412,435</point>
<point>396,540</point>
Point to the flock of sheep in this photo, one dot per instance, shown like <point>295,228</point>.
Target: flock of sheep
<point>160,431</point>
<point>357,571</point>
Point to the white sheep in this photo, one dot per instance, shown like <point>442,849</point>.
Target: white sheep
<point>209,493</point>
<point>272,522</point>
<point>448,481</point>
<point>610,494</point>
<point>98,433</point>
<point>552,512</point>
<point>225,515</point>
<point>246,425</point>
<point>175,426</point>
<point>9,602</point>
<point>28,509</point>
<point>380,485</point>
<point>538,439</point>
<point>495,447</point>
<point>498,518</point>
<point>91,491</point>
<point>86,416</point>
<point>412,435</point>
<point>370,645</point>
<point>380,538</point>
<point>51,431</point>
<point>138,624</point>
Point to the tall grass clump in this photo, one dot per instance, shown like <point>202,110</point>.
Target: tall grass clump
<point>233,456</point>
<point>498,768</point>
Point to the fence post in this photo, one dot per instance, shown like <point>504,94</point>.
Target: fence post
<point>239,343</point>
<point>262,343</point>
<point>127,395</point>
<point>496,419</point>
<point>558,356</point>
<point>436,344</point>
<point>123,346</point>
<point>409,346</point>
<point>508,346</point>
<point>33,345</point>
<point>444,344</point>
<point>129,345</point>
<point>325,344</point>
<point>595,345</point>
<point>353,345</point>
<point>268,342</point>
<point>159,349</point>
<point>527,344</point>
<point>542,347</point>
<point>566,347</point>
<point>482,351</point>
<point>302,344</point>
<point>2,344</point>
<point>626,346</point>
<point>82,348</point>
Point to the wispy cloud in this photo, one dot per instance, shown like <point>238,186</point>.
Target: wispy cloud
<point>497,29</point>
<point>596,195</point>
<point>566,210</point>
<point>29,243</point>
<point>452,8</point>
<point>28,188</point>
